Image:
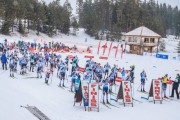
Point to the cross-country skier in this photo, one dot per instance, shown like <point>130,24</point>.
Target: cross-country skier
<point>32,63</point>
<point>114,69</point>
<point>112,77</point>
<point>67,60</point>
<point>175,87</point>
<point>11,65</point>
<point>23,63</point>
<point>39,69</point>
<point>16,62</point>
<point>88,76</point>
<point>46,59</point>
<point>47,76</point>
<point>107,67</point>
<point>74,76</point>
<point>123,73</point>
<point>62,74</point>
<point>52,63</point>
<point>105,89</point>
<point>59,65</point>
<point>143,78</point>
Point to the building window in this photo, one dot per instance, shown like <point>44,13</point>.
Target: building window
<point>129,39</point>
<point>146,49</point>
<point>146,40</point>
<point>152,40</point>
<point>135,47</point>
<point>135,39</point>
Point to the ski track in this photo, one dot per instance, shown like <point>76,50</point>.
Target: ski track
<point>57,103</point>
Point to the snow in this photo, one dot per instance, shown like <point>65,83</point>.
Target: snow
<point>142,31</point>
<point>57,103</point>
<point>171,43</point>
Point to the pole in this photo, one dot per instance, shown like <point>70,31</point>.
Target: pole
<point>157,47</point>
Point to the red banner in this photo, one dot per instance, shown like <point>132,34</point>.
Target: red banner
<point>104,58</point>
<point>118,79</point>
<point>81,69</point>
<point>88,56</point>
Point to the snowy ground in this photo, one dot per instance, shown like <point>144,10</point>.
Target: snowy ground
<point>57,103</point>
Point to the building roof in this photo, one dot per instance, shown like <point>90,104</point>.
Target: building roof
<point>142,31</point>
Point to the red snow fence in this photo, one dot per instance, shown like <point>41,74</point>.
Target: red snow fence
<point>70,57</point>
<point>81,69</point>
<point>103,58</point>
<point>88,56</point>
<point>118,79</point>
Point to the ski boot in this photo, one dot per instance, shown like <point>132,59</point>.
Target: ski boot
<point>63,85</point>
<point>166,97</point>
<point>110,91</point>
<point>144,90</point>
<point>108,102</point>
<point>103,102</point>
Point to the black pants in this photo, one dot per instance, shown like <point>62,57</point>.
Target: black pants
<point>32,66</point>
<point>175,87</point>
<point>4,65</point>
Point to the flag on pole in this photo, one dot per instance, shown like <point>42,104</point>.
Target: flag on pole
<point>116,50</point>
<point>110,49</point>
<point>104,50</point>
<point>99,47</point>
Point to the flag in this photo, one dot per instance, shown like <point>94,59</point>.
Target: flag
<point>99,47</point>
<point>116,50</point>
<point>110,48</point>
<point>105,46</point>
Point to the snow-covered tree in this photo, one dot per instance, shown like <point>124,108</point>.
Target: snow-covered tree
<point>178,47</point>
<point>162,46</point>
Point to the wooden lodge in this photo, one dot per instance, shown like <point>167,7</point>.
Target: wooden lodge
<point>142,40</point>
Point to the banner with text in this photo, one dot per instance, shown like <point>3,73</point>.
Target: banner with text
<point>93,95</point>
<point>127,92</point>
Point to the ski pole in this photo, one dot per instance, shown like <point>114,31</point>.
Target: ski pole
<point>51,78</point>
<point>139,87</point>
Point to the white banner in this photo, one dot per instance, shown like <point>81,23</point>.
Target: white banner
<point>157,90</point>
<point>93,95</point>
<point>85,88</point>
<point>127,92</point>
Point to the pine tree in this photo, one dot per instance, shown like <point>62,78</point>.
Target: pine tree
<point>20,27</point>
<point>75,25</point>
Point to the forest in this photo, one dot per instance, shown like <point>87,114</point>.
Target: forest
<point>108,16</point>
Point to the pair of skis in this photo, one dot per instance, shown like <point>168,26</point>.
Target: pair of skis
<point>108,105</point>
